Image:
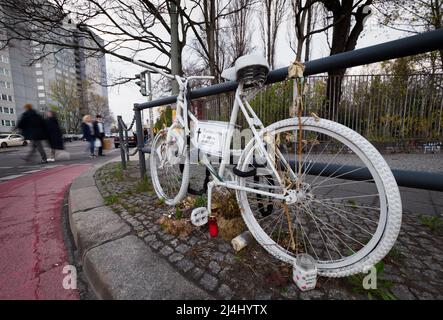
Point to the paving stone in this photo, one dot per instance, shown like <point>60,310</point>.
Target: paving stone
<point>166,236</point>
<point>338,294</point>
<point>214,267</point>
<point>401,292</point>
<point>225,292</point>
<point>230,258</point>
<point>174,242</point>
<point>193,240</point>
<point>175,257</point>
<point>142,233</point>
<point>197,273</point>
<point>311,295</point>
<point>166,251</point>
<point>218,256</point>
<point>183,248</point>
<point>185,265</point>
<point>224,274</point>
<point>156,244</point>
<point>150,238</point>
<point>224,247</point>
<point>422,295</point>
<point>263,296</point>
<point>209,282</point>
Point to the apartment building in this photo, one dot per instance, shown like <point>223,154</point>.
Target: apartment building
<point>24,79</point>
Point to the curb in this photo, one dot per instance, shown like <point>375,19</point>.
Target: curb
<point>116,263</point>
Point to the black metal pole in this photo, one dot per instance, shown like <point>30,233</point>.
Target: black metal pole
<point>421,43</point>
<point>140,140</point>
<point>120,135</point>
<point>126,144</point>
<point>404,178</point>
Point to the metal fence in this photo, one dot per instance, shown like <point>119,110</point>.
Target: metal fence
<point>383,108</point>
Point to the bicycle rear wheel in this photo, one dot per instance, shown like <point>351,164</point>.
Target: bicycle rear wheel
<point>346,225</point>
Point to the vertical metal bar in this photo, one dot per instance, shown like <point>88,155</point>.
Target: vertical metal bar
<point>120,135</point>
<point>140,139</point>
<point>126,144</point>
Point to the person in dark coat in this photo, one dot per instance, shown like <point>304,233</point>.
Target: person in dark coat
<point>99,129</point>
<point>33,127</point>
<point>55,137</point>
<point>89,133</point>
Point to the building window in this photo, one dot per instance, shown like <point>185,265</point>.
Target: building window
<point>1,109</point>
<point>6,110</point>
<point>11,110</point>
<point>41,95</point>
<point>38,65</point>
<point>39,72</point>
<point>10,98</point>
<point>12,123</point>
<point>41,87</point>
<point>39,79</point>
<point>4,71</point>
<point>4,59</point>
<point>4,97</point>
<point>6,123</point>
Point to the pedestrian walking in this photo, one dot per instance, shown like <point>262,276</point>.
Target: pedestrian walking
<point>33,127</point>
<point>100,133</point>
<point>54,133</point>
<point>89,133</point>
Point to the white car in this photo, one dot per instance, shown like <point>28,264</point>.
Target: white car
<point>12,140</point>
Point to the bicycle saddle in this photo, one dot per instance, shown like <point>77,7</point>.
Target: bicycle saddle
<point>248,69</point>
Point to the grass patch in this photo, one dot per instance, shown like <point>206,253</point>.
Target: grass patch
<point>178,213</point>
<point>161,201</point>
<point>143,185</point>
<point>200,201</point>
<point>112,199</point>
<point>432,222</point>
<point>117,174</point>
<point>383,286</point>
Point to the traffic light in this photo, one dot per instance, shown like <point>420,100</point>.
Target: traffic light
<point>141,82</point>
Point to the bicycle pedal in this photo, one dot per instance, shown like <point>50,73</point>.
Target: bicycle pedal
<point>199,216</point>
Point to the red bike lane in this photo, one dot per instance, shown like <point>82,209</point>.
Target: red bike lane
<point>32,249</point>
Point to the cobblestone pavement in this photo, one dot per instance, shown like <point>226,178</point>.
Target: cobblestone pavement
<point>412,270</point>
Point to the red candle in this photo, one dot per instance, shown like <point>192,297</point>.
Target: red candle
<point>213,227</point>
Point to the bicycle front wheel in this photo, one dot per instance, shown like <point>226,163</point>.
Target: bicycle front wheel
<point>345,225</point>
<point>169,173</point>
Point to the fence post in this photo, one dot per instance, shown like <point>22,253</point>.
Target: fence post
<point>120,135</point>
<point>140,141</point>
<point>126,144</point>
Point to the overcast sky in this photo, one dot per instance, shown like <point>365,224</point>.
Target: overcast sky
<point>122,97</point>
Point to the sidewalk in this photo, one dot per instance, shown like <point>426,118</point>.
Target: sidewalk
<point>33,252</point>
<point>118,264</point>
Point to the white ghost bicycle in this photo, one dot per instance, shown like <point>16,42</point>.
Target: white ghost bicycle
<point>292,179</point>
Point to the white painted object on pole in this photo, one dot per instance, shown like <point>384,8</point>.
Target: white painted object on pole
<point>305,272</point>
<point>241,241</point>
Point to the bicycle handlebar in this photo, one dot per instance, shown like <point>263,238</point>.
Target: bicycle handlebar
<point>167,75</point>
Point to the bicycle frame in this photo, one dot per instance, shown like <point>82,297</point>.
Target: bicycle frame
<point>255,124</point>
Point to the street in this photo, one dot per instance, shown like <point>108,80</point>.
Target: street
<point>13,166</point>
<point>34,253</point>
